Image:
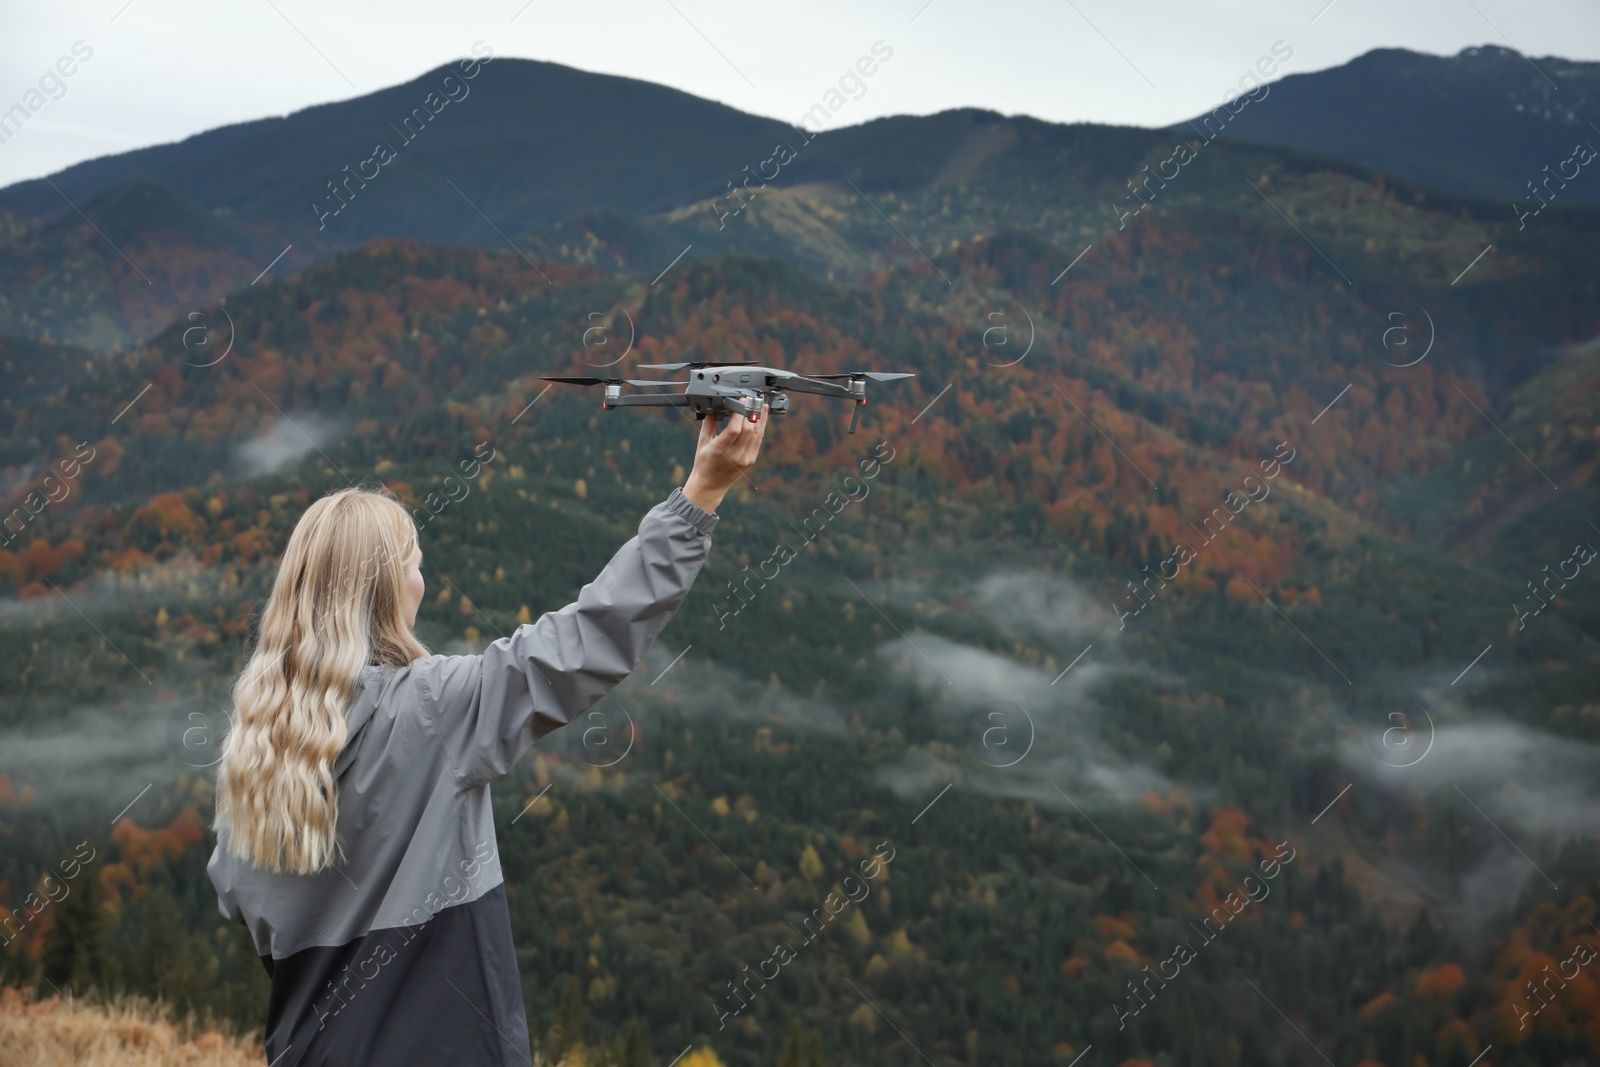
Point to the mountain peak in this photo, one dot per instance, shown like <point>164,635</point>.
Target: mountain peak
<point>1483,122</point>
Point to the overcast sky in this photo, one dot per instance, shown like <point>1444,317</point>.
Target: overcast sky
<point>161,70</point>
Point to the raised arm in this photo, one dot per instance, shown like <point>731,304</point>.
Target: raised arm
<point>488,709</point>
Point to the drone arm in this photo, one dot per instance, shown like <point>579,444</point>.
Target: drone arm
<point>799,384</point>
<point>650,400</point>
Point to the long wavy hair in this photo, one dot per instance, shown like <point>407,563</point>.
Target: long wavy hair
<point>337,605</point>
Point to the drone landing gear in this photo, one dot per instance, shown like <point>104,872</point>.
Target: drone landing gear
<point>855,415</point>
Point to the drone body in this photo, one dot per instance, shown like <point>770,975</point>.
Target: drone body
<point>722,390</point>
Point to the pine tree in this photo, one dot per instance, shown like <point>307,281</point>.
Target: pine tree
<point>568,1027</point>
<point>75,957</point>
<point>15,967</point>
<point>634,1053</point>
<point>1425,940</point>
<point>802,1048</point>
<point>161,944</point>
<point>242,997</point>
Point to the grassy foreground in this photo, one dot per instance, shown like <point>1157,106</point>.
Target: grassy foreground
<point>37,1033</point>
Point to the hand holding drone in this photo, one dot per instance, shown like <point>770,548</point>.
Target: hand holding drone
<point>721,459</point>
<point>724,389</point>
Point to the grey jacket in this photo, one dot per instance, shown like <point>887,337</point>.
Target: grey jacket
<point>402,953</point>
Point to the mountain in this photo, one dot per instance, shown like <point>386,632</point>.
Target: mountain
<point>527,143</point>
<point>533,143</point>
<point>516,146</point>
<point>530,142</point>
<point>1485,122</point>
<point>621,174</point>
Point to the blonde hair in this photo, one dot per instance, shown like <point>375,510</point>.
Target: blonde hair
<point>337,605</point>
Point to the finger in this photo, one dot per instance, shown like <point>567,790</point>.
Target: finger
<point>737,449</point>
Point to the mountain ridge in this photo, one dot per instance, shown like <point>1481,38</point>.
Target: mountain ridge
<point>1482,122</point>
<point>478,173</point>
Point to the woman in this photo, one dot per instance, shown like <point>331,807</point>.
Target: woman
<point>355,838</point>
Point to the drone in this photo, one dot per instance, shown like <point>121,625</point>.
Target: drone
<point>736,387</point>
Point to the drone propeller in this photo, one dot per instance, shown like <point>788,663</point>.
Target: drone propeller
<point>699,363</point>
<point>578,380</point>
<point>875,375</point>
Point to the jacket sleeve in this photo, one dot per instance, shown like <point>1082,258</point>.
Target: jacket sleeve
<point>488,709</point>
<point>222,881</point>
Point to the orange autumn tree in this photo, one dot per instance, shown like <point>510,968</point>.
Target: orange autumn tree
<point>141,850</point>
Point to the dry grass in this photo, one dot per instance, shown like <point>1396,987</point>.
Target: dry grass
<point>129,1032</point>
<point>51,1032</point>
